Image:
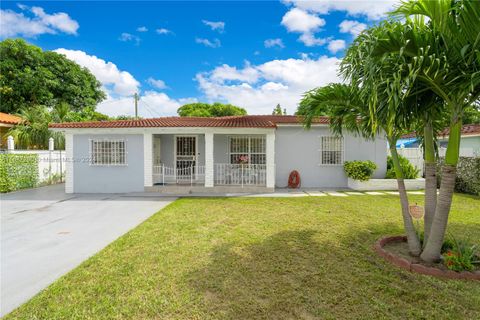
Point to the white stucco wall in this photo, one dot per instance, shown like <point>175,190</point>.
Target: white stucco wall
<point>299,149</point>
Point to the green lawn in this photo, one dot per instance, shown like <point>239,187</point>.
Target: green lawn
<point>263,258</point>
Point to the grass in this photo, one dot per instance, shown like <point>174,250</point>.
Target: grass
<point>261,258</point>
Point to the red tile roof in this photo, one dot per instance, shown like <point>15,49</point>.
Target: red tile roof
<point>9,118</point>
<point>253,121</point>
<point>467,130</point>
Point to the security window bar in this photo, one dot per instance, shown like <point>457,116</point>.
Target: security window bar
<point>331,152</point>
<point>246,149</point>
<point>108,152</point>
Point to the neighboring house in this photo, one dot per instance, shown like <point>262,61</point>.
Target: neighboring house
<point>226,154</point>
<point>469,141</point>
<point>7,121</point>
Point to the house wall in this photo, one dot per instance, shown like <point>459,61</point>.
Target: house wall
<point>469,145</point>
<point>299,149</point>
<point>108,179</point>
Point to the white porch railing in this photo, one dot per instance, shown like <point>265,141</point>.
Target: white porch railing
<point>169,175</point>
<point>240,174</point>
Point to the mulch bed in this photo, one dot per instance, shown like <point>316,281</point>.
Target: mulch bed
<point>395,250</point>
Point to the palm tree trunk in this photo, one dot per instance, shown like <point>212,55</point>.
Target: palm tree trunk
<point>430,181</point>
<point>413,242</point>
<point>432,251</point>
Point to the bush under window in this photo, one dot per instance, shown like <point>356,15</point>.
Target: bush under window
<point>359,170</point>
<point>409,171</point>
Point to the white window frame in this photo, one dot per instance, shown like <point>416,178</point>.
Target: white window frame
<point>342,157</point>
<point>118,150</point>
<point>249,153</point>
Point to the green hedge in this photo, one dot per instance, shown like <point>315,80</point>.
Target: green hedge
<point>409,171</point>
<point>468,175</point>
<point>18,171</point>
<point>359,170</point>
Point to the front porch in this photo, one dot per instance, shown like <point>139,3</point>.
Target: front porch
<point>217,162</point>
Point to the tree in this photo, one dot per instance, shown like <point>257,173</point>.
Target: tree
<point>449,66</point>
<point>414,74</point>
<point>278,111</point>
<point>30,76</point>
<point>349,110</point>
<point>210,110</point>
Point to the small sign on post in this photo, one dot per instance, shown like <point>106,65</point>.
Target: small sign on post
<point>416,211</point>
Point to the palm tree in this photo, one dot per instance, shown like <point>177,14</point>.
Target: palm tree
<point>447,64</point>
<point>350,111</point>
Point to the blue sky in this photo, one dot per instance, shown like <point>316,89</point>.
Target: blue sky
<point>252,54</point>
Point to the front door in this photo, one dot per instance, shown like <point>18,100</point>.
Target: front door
<point>185,158</point>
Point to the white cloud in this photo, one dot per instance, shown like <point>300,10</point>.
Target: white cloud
<point>310,40</point>
<point>269,43</point>
<point>18,24</point>
<point>126,37</point>
<point>115,81</point>
<point>120,87</point>
<point>372,9</point>
<point>215,25</point>
<point>157,83</point>
<point>215,43</point>
<point>163,31</point>
<point>276,81</point>
<point>297,20</point>
<point>142,29</point>
<point>352,26</point>
<point>336,45</point>
<point>226,73</point>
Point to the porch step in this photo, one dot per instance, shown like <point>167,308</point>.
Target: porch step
<point>179,189</point>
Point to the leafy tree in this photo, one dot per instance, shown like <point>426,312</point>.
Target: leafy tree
<point>349,110</point>
<point>413,74</point>
<point>210,110</point>
<point>448,65</point>
<point>278,111</point>
<point>30,76</point>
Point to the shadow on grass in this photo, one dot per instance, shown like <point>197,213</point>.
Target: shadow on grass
<point>308,274</point>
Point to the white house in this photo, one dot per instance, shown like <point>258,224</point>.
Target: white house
<point>225,154</point>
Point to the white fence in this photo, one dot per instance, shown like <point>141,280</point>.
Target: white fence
<point>415,155</point>
<point>240,174</point>
<point>224,174</point>
<point>168,175</point>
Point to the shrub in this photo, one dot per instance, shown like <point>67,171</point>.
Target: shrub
<point>18,171</point>
<point>409,171</point>
<point>359,170</point>
<point>468,175</point>
<point>461,257</point>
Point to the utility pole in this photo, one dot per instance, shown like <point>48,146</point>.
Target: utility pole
<point>135,97</point>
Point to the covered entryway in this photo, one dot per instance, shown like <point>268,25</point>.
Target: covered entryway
<point>185,158</point>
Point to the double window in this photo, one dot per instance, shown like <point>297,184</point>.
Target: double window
<point>106,152</point>
<point>247,150</point>
<point>331,150</point>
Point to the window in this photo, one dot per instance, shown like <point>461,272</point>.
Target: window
<point>108,152</point>
<point>331,150</point>
<point>245,149</point>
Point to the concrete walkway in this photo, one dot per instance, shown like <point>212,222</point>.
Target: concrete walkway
<point>45,233</point>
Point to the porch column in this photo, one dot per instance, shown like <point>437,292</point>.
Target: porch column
<point>69,174</point>
<point>147,159</point>
<point>209,160</point>
<point>270,148</point>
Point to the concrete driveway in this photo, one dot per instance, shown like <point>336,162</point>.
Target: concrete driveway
<point>45,233</point>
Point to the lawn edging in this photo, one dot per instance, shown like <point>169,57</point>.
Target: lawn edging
<point>419,268</point>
